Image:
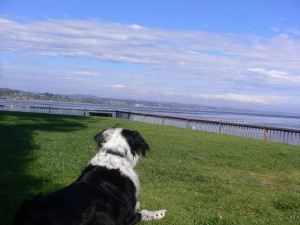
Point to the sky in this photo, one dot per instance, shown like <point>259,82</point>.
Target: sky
<point>235,53</point>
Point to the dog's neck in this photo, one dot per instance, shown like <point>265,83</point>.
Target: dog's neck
<point>120,150</point>
<point>112,152</point>
<point>112,160</point>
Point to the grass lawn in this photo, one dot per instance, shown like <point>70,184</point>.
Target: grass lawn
<point>201,178</point>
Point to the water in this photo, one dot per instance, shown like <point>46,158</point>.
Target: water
<point>281,120</point>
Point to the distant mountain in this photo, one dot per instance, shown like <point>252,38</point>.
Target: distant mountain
<point>6,93</point>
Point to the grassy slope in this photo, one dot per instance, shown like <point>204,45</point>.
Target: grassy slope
<point>201,178</point>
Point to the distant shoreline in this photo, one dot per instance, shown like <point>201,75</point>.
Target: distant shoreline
<point>10,94</point>
<point>239,116</point>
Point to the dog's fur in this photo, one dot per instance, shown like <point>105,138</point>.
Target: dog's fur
<point>104,194</point>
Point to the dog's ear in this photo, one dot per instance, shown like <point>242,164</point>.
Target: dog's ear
<point>136,142</point>
<point>99,139</point>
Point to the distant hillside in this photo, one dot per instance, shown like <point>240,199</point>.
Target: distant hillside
<point>6,93</point>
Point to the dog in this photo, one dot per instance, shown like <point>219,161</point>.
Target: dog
<point>104,194</point>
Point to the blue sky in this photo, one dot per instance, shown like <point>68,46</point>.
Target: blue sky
<point>241,54</point>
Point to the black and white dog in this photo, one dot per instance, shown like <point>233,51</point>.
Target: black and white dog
<point>104,194</point>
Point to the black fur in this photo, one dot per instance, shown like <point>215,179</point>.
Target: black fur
<point>136,142</point>
<point>99,138</point>
<point>99,197</point>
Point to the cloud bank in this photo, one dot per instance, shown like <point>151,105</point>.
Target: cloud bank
<point>154,64</point>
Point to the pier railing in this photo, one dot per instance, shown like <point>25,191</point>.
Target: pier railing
<point>266,133</point>
<point>60,111</point>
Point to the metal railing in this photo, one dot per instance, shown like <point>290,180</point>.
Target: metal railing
<point>266,133</point>
<point>60,111</point>
<point>272,134</point>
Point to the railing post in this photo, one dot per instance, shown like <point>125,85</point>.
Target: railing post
<point>129,115</point>
<point>188,123</point>
<point>220,127</point>
<point>266,133</point>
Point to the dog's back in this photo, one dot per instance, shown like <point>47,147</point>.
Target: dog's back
<point>104,194</point>
<point>99,197</point>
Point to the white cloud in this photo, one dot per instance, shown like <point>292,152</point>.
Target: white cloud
<point>193,63</point>
<point>271,73</point>
<point>135,26</point>
<point>246,98</point>
<point>119,86</point>
<point>275,29</point>
<point>293,31</point>
<point>121,43</point>
<point>260,99</point>
<point>84,73</point>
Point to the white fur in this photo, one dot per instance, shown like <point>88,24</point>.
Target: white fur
<point>116,162</point>
<point>153,215</point>
<point>114,141</point>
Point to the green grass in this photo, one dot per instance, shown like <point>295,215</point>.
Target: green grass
<point>201,178</point>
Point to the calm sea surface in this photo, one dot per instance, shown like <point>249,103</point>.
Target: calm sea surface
<point>216,114</point>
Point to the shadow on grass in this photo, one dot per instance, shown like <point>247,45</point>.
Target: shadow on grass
<point>16,143</point>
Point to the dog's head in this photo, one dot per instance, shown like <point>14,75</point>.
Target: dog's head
<point>122,142</point>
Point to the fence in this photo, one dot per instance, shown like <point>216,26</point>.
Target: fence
<point>272,134</point>
<point>61,111</point>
